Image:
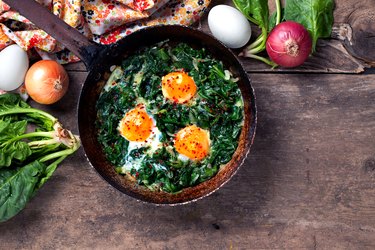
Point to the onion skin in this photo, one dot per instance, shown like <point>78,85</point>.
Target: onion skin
<point>289,44</point>
<point>46,82</point>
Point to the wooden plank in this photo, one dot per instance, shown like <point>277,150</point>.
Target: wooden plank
<point>309,182</point>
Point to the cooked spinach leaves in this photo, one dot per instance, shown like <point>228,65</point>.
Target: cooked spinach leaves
<point>217,108</point>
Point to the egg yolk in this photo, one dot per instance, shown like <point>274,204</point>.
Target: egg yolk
<point>136,125</point>
<point>192,142</point>
<point>178,87</point>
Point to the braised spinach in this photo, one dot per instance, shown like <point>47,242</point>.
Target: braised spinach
<point>218,108</point>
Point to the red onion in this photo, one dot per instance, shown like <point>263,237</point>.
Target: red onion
<point>289,44</point>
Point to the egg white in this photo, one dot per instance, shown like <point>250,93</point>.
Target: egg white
<point>182,158</point>
<point>153,143</point>
<point>116,74</point>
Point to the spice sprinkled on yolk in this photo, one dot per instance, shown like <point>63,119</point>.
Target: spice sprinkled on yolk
<point>178,87</point>
<point>192,142</point>
<point>136,125</point>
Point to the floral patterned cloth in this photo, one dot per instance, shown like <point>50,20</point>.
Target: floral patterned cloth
<point>103,21</point>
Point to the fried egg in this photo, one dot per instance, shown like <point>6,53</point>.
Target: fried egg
<point>178,87</point>
<point>192,142</point>
<point>139,128</point>
<point>136,125</point>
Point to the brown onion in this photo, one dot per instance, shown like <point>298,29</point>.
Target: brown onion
<point>46,81</point>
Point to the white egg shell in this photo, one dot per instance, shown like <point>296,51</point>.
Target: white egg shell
<point>229,26</point>
<point>14,64</point>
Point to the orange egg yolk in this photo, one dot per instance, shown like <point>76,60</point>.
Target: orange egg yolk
<point>192,142</point>
<point>136,125</point>
<point>178,87</point>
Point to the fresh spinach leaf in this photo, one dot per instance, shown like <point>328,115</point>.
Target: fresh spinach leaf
<point>17,187</point>
<point>11,150</point>
<point>10,101</point>
<point>24,155</point>
<point>17,150</point>
<point>10,129</point>
<point>255,10</point>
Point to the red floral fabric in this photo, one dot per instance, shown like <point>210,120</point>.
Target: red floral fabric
<point>103,21</point>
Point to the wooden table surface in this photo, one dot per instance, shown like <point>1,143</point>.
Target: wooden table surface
<point>308,183</point>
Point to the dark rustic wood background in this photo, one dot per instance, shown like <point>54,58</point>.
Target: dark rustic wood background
<point>309,182</point>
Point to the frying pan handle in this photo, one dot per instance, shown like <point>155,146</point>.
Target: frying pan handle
<point>77,43</point>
